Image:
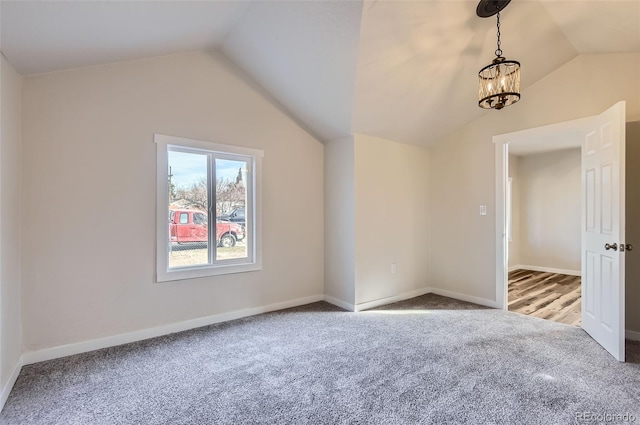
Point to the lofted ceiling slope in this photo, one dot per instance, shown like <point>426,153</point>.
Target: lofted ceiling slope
<point>403,71</point>
<point>611,26</point>
<point>45,36</point>
<point>418,67</point>
<point>304,54</point>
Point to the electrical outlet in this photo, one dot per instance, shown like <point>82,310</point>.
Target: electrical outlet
<point>393,268</point>
<point>483,210</point>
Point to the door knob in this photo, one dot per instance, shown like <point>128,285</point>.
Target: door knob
<point>614,246</point>
<point>628,247</point>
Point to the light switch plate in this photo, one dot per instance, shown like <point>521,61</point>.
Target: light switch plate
<point>483,210</point>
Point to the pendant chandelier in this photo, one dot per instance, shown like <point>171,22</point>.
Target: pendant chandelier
<point>499,82</point>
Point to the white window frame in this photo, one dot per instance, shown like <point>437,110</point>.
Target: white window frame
<point>253,210</point>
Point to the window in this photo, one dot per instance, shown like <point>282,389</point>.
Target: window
<point>211,194</point>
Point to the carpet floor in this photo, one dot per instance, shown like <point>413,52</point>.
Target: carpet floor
<point>429,360</point>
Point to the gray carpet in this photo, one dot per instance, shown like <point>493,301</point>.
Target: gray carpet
<point>429,360</point>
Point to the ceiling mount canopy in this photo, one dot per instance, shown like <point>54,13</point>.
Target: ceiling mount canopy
<point>499,82</point>
<point>487,8</point>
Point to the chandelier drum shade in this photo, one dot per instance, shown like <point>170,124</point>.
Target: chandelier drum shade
<point>499,82</point>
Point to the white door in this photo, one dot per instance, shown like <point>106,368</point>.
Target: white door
<point>603,230</point>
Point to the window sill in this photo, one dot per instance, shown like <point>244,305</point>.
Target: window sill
<point>205,271</point>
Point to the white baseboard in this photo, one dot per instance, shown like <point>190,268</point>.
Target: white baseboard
<point>8,386</point>
<point>408,295</point>
<point>632,335</point>
<point>342,304</point>
<point>391,300</point>
<point>111,341</point>
<point>468,298</point>
<point>546,270</point>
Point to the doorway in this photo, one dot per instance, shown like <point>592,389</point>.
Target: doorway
<point>543,228</point>
<point>602,219</point>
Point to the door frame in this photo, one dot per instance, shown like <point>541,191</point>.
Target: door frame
<point>501,142</point>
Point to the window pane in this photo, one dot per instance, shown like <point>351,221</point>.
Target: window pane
<point>231,200</point>
<point>188,200</point>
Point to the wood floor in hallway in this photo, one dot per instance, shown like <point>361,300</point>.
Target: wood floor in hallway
<point>545,295</point>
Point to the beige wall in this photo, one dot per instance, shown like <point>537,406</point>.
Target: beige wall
<point>391,220</point>
<point>89,203</point>
<point>339,213</point>
<point>514,242</point>
<point>550,204</point>
<point>463,165</point>
<point>632,295</point>
<point>10,215</point>
<point>89,155</point>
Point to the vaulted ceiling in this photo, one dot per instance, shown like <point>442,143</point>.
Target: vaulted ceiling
<point>403,71</point>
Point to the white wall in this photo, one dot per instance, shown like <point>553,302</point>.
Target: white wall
<point>514,242</point>
<point>549,209</point>
<point>376,214</point>
<point>10,215</point>
<point>632,295</point>
<point>89,196</point>
<point>463,165</point>
<point>339,229</point>
<point>391,220</point>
